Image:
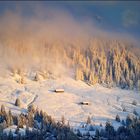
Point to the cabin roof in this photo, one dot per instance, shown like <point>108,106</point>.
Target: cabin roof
<point>59,90</point>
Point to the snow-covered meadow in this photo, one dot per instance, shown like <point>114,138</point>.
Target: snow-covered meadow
<point>105,103</point>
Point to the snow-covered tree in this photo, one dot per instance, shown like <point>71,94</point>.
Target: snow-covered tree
<point>17,102</point>
<point>118,118</point>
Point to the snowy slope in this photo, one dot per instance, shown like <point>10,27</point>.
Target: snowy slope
<point>105,102</point>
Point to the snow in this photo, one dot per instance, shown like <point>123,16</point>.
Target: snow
<point>13,129</point>
<point>106,103</point>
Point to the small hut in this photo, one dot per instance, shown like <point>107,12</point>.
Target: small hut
<point>85,103</point>
<point>59,90</point>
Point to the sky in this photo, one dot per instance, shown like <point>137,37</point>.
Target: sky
<point>116,16</point>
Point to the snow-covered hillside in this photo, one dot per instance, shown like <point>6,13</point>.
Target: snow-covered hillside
<point>104,104</point>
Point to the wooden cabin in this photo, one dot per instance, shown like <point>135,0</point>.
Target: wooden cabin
<point>85,103</point>
<point>59,90</point>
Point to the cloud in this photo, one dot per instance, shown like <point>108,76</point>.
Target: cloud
<point>130,18</point>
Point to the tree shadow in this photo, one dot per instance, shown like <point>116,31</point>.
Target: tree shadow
<point>13,107</point>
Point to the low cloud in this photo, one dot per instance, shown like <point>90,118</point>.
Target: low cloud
<point>24,38</point>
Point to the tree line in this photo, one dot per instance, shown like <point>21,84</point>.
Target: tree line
<point>108,62</point>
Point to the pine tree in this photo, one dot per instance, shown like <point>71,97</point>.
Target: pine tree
<point>91,78</point>
<point>17,130</point>
<point>7,119</point>
<point>118,118</point>
<point>30,119</point>
<point>79,74</point>
<point>63,120</point>
<point>22,80</point>
<point>31,108</point>
<point>97,134</point>
<point>88,120</point>
<point>129,119</point>
<point>10,135</point>
<point>17,102</point>
<point>134,102</point>
<point>124,109</point>
<point>68,126</point>
<point>3,109</point>
<point>27,130</point>
<point>135,112</point>
<point>88,62</point>
<point>37,78</point>
<point>20,122</point>
<point>109,129</point>
<point>79,133</point>
<point>138,84</point>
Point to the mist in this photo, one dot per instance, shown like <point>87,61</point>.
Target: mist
<point>37,41</point>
